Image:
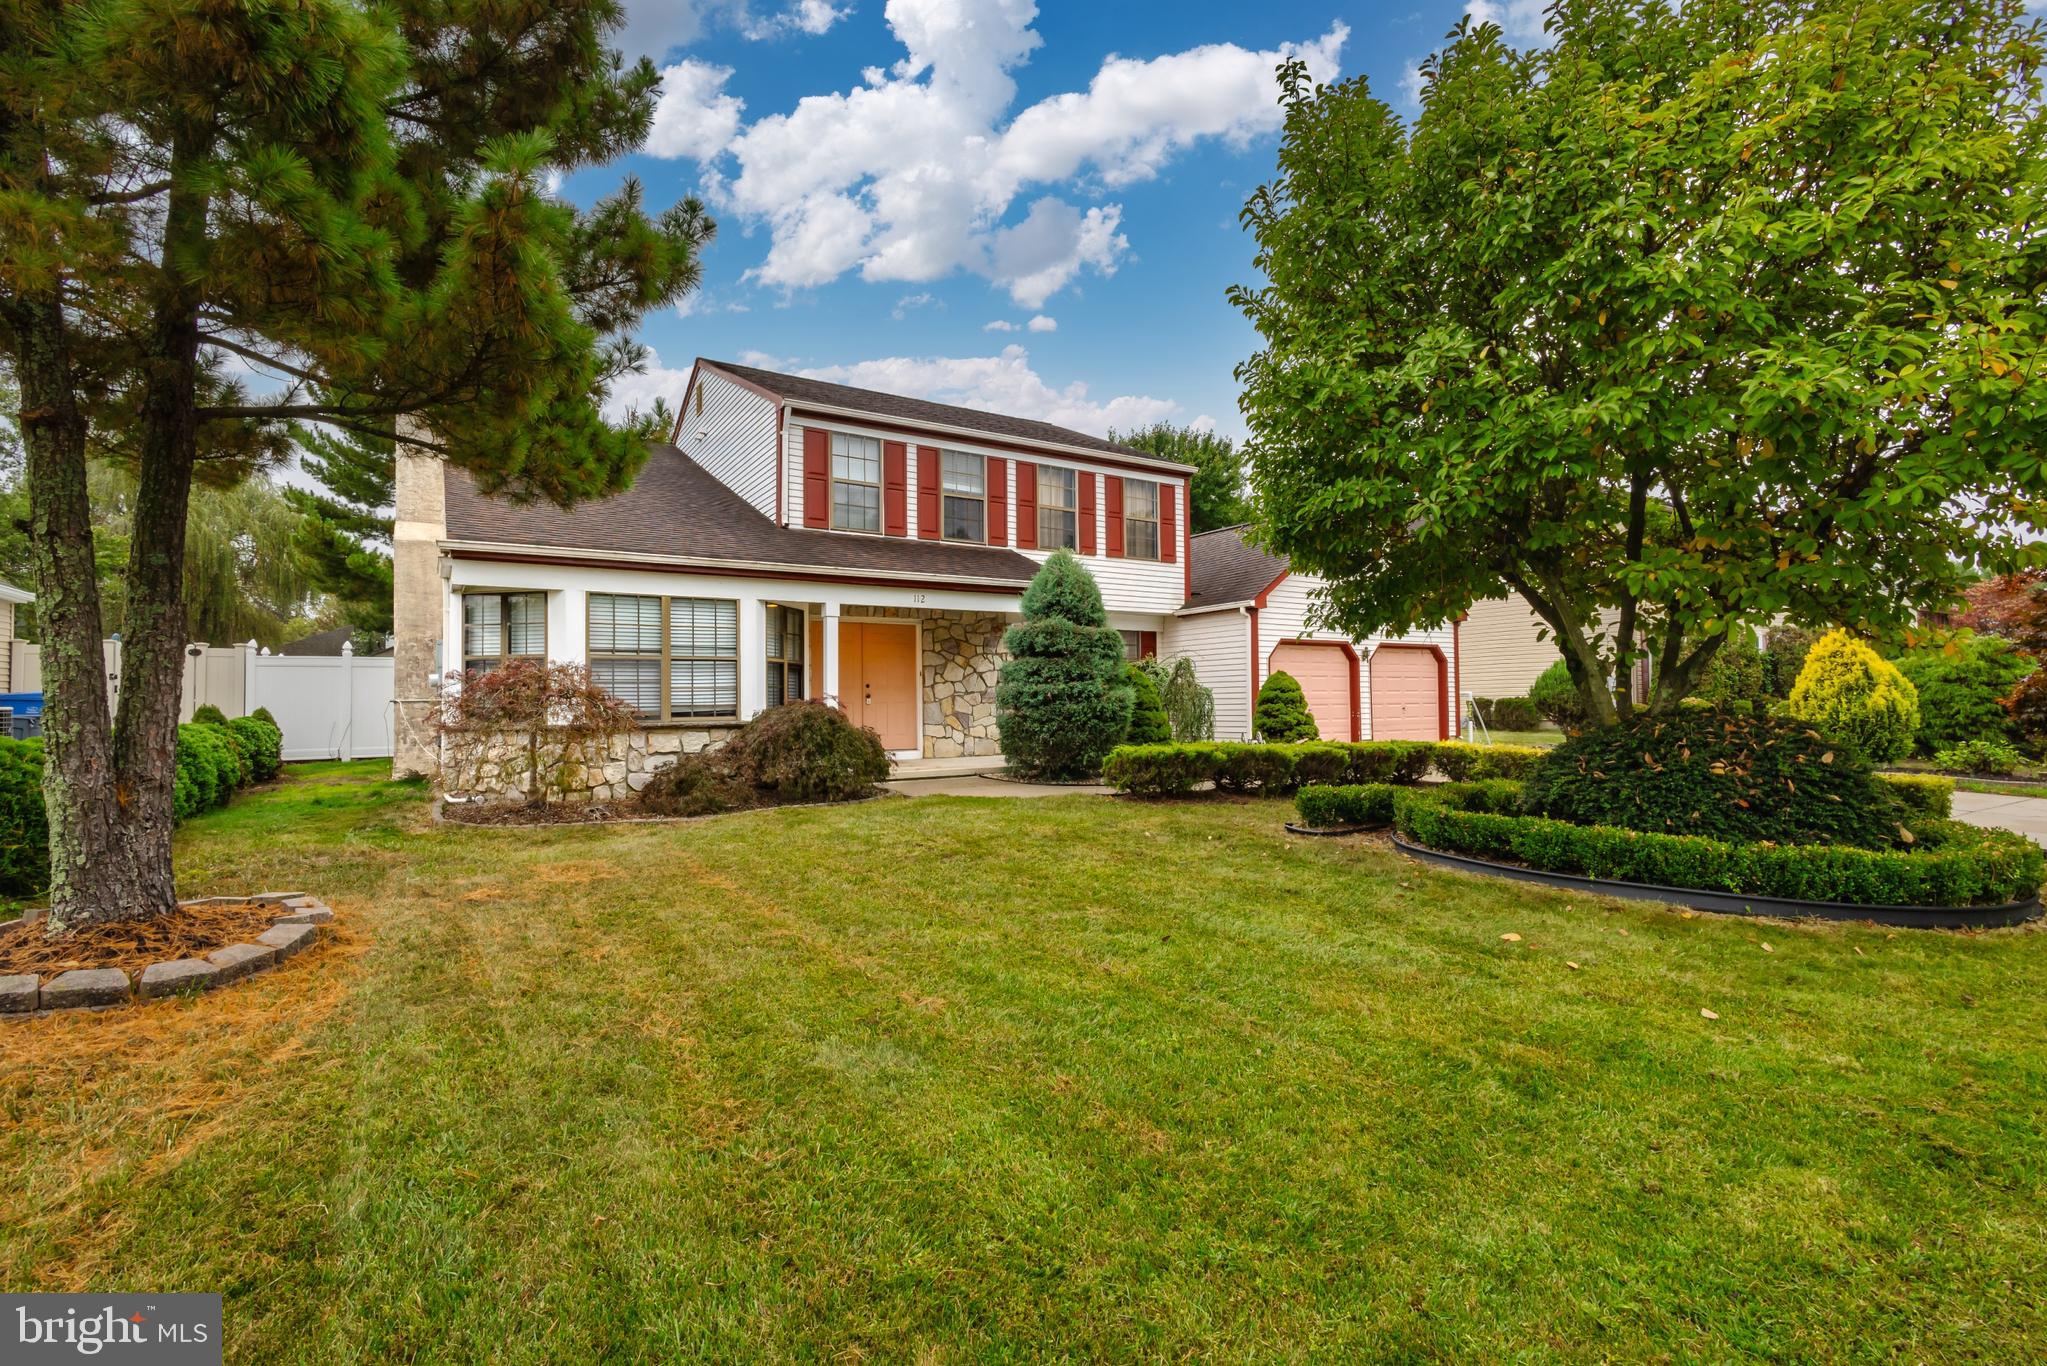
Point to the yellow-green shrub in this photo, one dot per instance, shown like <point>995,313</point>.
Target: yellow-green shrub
<point>1854,696</point>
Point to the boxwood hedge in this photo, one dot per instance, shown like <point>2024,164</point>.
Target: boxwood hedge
<point>1175,770</point>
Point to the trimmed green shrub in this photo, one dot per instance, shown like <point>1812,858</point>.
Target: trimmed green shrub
<point>1555,697</point>
<point>1951,865</point>
<point>1981,756</point>
<point>1506,713</point>
<point>206,769</point>
<point>1159,770</point>
<point>1148,723</point>
<point>1784,652</point>
<point>263,714</point>
<point>206,714</point>
<point>1962,685</point>
<point>24,821</point>
<point>1331,808</point>
<point>262,746</point>
<point>1061,702</point>
<point>1254,768</point>
<point>242,772</point>
<point>1922,793</point>
<point>1459,761</point>
<point>1282,716</point>
<point>1389,761</point>
<point>1171,770</point>
<point>1320,761</point>
<point>1854,696</point>
<point>1702,772</point>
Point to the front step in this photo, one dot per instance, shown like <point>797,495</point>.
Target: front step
<point>909,770</point>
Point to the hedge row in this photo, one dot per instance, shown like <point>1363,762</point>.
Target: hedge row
<point>1923,793</point>
<point>1174,770</point>
<point>1951,865</point>
<point>212,761</point>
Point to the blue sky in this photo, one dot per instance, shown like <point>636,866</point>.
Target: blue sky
<point>1026,207</point>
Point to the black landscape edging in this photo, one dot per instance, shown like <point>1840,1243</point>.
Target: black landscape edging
<point>1737,903</point>
<point>1293,829</point>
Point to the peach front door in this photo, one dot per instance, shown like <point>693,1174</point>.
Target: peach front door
<point>878,679</point>
<point>1407,693</point>
<point>1324,673</point>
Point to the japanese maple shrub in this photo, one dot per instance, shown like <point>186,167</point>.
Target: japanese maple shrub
<point>1061,701</point>
<point>540,723</point>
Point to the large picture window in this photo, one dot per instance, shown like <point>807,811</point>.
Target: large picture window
<point>1057,522</point>
<point>1140,519</point>
<point>856,483</point>
<point>965,484</point>
<point>667,658</point>
<point>785,654</point>
<point>501,626</point>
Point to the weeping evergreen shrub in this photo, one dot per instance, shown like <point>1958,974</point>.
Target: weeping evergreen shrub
<point>1062,701</point>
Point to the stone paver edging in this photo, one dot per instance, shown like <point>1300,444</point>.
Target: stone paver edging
<point>297,925</point>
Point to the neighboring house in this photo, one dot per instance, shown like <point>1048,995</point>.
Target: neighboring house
<point>797,539</point>
<point>1247,616</point>
<point>326,644</point>
<point>10,598</point>
<point>1506,648</point>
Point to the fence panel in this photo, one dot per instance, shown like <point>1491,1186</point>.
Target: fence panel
<point>329,707</point>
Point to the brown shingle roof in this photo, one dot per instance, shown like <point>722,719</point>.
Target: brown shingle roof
<point>677,510</point>
<point>796,389</point>
<point>1225,568</point>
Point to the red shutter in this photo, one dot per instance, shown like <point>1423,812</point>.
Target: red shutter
<point>1169,525</point>
<point>1148,648</point>
<point>998,500</point>
<point>928,502</point>
<point>1026,505</point>
<point>817,477</point>
<point>1087,513</point>
<point>1112,510</point>
<point>895,488</point>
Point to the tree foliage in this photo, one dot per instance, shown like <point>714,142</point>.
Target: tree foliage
<point>343,536</point>
<point>1698,314</point>
<point>1216,494</point>
<point>1962,682</point>
<point>1061,701</point>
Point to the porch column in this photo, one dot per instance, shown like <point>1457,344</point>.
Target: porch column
<point>831,654</point>
<point>753,649</point>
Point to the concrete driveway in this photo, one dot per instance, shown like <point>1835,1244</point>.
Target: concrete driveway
<point>2027,815</point>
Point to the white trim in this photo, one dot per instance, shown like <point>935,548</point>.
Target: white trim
<point>9,593</point>
<point>972,436</point>
<point>739,568</point>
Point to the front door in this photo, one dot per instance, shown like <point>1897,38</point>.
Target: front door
<point>878,677</point>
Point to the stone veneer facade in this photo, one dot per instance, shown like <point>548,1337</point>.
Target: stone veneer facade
<point>492,768</point>
<point>961,655</point>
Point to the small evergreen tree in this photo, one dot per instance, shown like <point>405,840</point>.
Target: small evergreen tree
<point>1062,701</point>
<point>1282,716</point>
<point>1851,694</point>
<point>1148,723</point>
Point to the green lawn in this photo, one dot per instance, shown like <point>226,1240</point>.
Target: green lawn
<point>955,1079</point>
<point>1545,737</point>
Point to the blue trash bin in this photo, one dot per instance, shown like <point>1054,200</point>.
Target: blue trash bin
<point>23,703</point>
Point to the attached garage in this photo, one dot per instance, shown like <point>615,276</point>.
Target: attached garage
<point>1408,693</point>
<point>1327,673</point>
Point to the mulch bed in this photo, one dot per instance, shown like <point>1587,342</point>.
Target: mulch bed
<point>191,931</point>
<point>526,813</point>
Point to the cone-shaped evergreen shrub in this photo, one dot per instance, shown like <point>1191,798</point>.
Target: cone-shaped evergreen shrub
<point>1854,696</point>
<point>1062,701</point>
<point>1148,723</point>
<point>1282,717</point>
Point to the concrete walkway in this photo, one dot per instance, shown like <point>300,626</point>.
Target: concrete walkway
<point>2027,815</point>
<point>980,785</point>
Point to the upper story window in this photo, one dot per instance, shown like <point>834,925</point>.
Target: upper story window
<point>1140,519</point>
<point>856,483</point>
<point>965,485</point>
<point>785,654</point>
<point>666,657</point>
<point>501,626</point>
<point>1057,520</point>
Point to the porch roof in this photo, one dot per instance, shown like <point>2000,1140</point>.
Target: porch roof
<point>677,511</point>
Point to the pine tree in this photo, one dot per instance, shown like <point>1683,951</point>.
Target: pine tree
<point>344,532</point>
<point>1148,723</point>
<point>1061,701</point>
<point>1282,716</point>
<point>351,198</point>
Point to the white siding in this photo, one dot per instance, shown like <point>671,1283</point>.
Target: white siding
<point>1503,656</point>
<point>1219,643</point>
<point>1287,615</point>
<point>733,437</point>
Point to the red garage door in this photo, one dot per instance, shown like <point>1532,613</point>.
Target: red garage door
<point>1323,672</point>
<point>1407,693</point>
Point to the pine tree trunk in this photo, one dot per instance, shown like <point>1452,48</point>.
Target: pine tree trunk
<point>95,867</point>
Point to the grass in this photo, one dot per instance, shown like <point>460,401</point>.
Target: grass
<point>954,1079</point>
<point>1545,737</point>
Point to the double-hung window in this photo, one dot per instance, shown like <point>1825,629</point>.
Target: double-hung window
<point>785,654</point>
<point>667,658</point>
<point>965,489</point>
<point>1057,520</point>
<point>1140,519</point>
<point>501,626</point>
<point>856,483</point>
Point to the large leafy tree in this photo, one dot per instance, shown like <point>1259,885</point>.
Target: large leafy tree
<point>1216,496</point>
<point>1694,317</point>
<point>350,199</point>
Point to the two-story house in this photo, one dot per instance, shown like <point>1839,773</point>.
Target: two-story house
<point>798,539</point>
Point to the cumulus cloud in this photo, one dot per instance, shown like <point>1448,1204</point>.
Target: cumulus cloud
<point>804,16</point>
<point>1003,383</point>
<point>911,302</point>
<point>916,174</point>
<point>655,28</point>
<point>1520,20</point>
<point>999,325</point>
<point>1041,323</point>
<point>694,117</point>
<point>636,391</point>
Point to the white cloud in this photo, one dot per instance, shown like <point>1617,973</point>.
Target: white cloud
<point>914,175</point>
<point>803,16</point>
<point>637,391</point>
<point>911,302</point>
<point>1411,86</point>
<point>1041,323</point>
<point>1204,423</point>
<point>1520,20</point>
<point>655,28</point>
<point>1004,383</point>
<point>999,325</point>
<point>694,117</point>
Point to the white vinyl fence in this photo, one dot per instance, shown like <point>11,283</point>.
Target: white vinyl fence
<point>328,706</point>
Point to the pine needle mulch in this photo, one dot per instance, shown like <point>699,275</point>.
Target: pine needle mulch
<point>191,931</point>
<point>94,1104</point>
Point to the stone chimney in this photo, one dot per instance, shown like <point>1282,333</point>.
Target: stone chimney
<point>417,618</point>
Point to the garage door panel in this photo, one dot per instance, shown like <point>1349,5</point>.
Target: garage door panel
<point>1323,671</point>
<point>1407,693</point>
